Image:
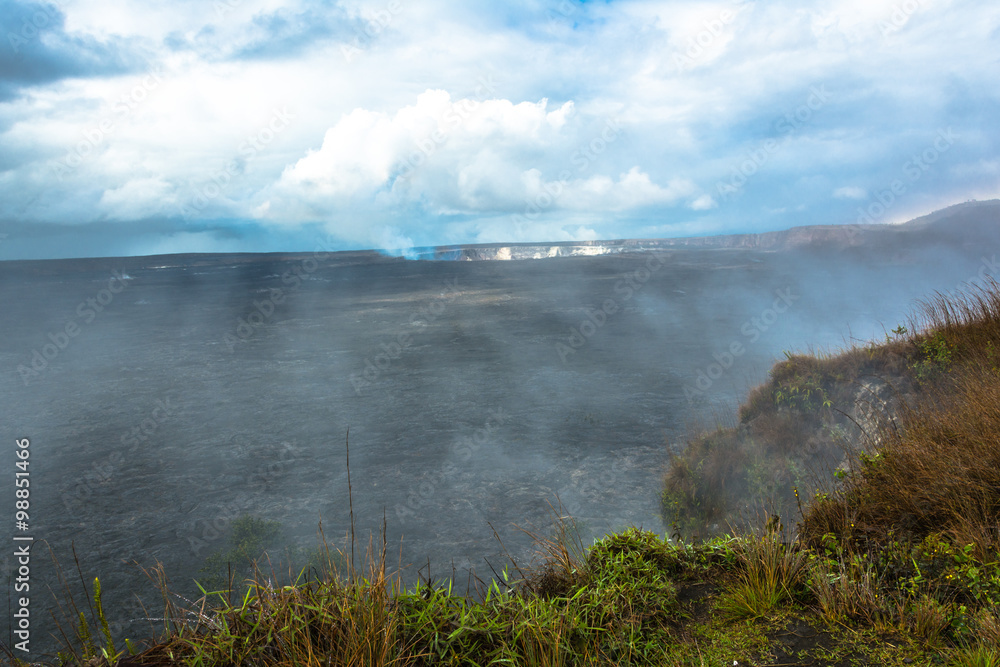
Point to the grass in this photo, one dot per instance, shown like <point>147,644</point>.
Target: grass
<point>636,598</point>
<point>916,414</point>
<point>937,470</point>
<point>252,539</point>
<point>770,573</point>
<point>895,562</point>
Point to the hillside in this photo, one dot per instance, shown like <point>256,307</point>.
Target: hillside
<point>970,222</point>
<point>819,419</point>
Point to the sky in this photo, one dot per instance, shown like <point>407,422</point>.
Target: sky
<point>139,128</point>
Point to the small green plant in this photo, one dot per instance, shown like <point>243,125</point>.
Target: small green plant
<point>109,651</point>
<point>249,539</point>
<point>936,355</point>
<point>85,636</point>
<point>803,394</point>
<point>627,579</point>
<point>979,656</point>
<point>898,333</point>
<point>83,633</point>
<point>870,462</point>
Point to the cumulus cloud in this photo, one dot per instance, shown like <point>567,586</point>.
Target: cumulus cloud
<point>473,140</point>
<point>703,203</point>
<point>632,189</point>
<point>468,157</point>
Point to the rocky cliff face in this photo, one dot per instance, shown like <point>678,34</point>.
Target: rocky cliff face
<point>540,251</point>
<point>982,217</point>
<point>801,236</point>
<point>830,235</point>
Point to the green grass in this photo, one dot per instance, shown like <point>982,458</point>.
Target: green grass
<point>634,598</point>
<point>770,573</point>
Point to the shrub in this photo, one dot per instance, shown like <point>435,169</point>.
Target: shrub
<point>248,540</point>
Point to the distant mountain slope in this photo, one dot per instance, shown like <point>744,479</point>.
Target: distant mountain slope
<point>970,225</point>
<point>978,221</point>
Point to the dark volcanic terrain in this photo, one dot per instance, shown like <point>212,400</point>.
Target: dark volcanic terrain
<point>195,389</point>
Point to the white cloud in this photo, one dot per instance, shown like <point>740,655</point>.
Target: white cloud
<point>633,189</point>
<point>467,157</point>
<point>357,155</point>
<point>136,199</point>
<point>850,192</point>
<point>466,138</point>
<point>703,203</point>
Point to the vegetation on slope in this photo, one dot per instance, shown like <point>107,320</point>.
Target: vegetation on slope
<point>897,562</point>
<point>818,421</point>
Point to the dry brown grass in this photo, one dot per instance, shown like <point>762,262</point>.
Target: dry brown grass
<point>561,555</point>
<point>793,432</point>
<point>939,471</point>
<point>938,468</point>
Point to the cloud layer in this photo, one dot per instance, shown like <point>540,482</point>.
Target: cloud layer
<point>132,128</point>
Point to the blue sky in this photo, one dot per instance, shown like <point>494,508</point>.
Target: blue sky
<point>132,128</point>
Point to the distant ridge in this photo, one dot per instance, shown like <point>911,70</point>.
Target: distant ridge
<point>982,217</point>
<point>968,223</point>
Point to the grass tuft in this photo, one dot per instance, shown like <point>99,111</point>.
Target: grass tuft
<point>770,573</point>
